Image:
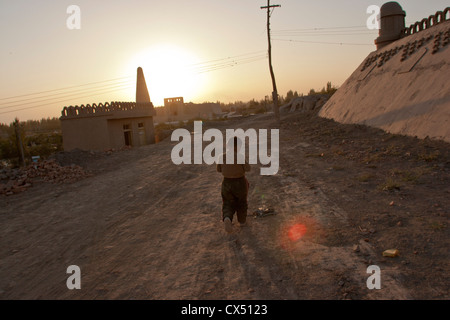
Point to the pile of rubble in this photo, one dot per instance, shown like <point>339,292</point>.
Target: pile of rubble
<point>18,180</point>
<point>305,103</point>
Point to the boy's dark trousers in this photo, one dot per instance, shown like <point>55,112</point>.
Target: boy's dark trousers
<point>234,198</point>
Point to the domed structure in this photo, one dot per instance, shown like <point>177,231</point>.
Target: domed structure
<point>392,22</point>
<point>391,9</point>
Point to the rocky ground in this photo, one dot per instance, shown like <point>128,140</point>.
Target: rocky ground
<point>140,227</point>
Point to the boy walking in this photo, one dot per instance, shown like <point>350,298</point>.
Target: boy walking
<point>234,187</point>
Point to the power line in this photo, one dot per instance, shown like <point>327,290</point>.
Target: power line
<point>227,58</point>
<point>46,104</point>
<point>323,42</point>
<point>81,85</point>
<point>354,33</point>
<point>115,84</point>
<point>70,95</point>
<point>230,63</point>
<point>329,31</point>
<point>201,67</point>
<point>63,94</point>
<point>326,28</point>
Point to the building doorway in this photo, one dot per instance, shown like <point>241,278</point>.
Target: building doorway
<point>141,133</point>
<point>127,135</point>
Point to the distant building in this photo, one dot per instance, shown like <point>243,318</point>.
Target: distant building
<point>175,109</point>
<point>110,125</point>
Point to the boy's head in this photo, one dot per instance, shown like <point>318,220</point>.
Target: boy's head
<point>234,142</point>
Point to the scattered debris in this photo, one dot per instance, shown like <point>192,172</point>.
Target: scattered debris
<point>263,212</point>
<point>390,253</point>
<point>18,180</point>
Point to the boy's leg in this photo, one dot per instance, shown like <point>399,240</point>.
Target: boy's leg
<point>228,201</point>
<point>241,193</point>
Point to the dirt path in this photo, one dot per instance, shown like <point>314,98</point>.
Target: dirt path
<point>144,228</point>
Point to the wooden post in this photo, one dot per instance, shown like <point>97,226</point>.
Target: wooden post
<point>274,84</point>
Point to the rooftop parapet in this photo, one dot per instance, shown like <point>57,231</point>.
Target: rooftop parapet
<point>112,110</point>
<point>426,23</point>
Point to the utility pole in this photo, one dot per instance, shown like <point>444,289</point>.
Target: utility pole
<point>19,142</point>
<point>274,84</point>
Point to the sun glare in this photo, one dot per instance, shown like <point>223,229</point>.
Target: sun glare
<point>169,71</point>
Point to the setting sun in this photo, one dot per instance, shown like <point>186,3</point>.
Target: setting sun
<point>169,71</point>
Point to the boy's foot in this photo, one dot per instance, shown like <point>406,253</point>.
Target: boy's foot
<point>228,226</point>
<point>243,224</point>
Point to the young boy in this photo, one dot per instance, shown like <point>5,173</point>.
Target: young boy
<point>234,187</point>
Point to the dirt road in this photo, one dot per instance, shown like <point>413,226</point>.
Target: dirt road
<point>142,227</point>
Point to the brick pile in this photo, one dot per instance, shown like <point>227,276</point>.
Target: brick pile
<point>18,180</point>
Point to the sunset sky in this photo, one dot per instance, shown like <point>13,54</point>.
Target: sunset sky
<point>203,50</point>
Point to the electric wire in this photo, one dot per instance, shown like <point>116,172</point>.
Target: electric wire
<point>325,42</point>
<point>81,85</point>
<point>117,84</point>
<point>65,100</point>
<point>61,95</point>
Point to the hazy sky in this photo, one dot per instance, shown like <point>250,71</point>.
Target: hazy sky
<point>203,50</point>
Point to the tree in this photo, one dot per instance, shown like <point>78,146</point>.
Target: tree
<point>289,96</point>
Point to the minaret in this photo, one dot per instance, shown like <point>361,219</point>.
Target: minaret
<point>143,99</point>
<point>141,88</point>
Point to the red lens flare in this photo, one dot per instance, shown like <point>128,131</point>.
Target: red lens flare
<point>296,232</point>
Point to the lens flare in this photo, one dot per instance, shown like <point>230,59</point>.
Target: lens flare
<point>299,231</point>
<point>296,232</point>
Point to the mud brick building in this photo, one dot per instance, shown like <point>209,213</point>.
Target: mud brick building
<point>175,109</point>
<point>110,125</point>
